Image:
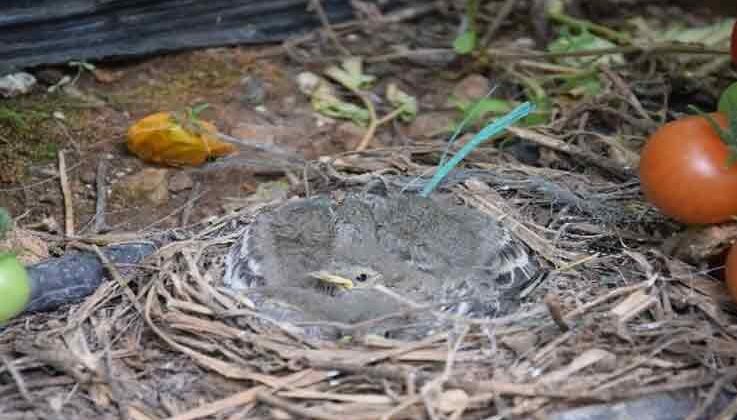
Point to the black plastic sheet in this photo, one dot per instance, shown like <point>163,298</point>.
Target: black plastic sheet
<point>34,32</point>
<point>76,275</point>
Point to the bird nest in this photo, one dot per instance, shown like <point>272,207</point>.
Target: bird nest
<point>608,319</point>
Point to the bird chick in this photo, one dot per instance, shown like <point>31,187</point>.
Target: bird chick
<point>322,255</point>
<point>342,294</point>
<point>343,277</point>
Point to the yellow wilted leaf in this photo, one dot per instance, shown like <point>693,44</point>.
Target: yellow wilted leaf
<point>161,138</point>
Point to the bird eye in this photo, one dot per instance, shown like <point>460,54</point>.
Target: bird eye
<point>362,277</point>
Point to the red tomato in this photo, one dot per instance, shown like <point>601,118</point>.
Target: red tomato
<point>730,274</point>
<point>683,171</point>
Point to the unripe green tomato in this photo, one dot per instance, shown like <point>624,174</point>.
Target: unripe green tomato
<point>15,287</point>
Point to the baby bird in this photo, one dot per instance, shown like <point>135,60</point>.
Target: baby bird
<point>341,294</point>
<point>323,256</point>
<point>337,279</point>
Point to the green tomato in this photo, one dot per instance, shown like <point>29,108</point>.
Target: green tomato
<point>15,287</point>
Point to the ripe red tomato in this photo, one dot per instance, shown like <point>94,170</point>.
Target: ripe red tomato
<point>730,274</point>
<point>684,172</point>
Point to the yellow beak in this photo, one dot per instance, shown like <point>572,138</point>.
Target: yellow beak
<point>333,279</point>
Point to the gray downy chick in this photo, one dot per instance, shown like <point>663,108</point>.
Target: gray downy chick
<point>333,303</point>
<point>421,249</point>
<point>466,252</point>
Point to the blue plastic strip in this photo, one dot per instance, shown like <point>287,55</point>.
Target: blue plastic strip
<point>489,131</point>
<point>463,124</point>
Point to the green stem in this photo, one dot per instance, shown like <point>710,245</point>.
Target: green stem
<point>729,136</point>
<point>5,222</point>
<point>614,36</point>
<point>472,9</point>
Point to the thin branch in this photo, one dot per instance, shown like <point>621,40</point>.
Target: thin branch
<point>67,193</point>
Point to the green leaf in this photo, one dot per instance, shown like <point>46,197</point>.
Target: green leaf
<point>723,134</point>
<point>541,114</point>
<point>465,42</point>
<point>350,74</point>
<point>82,65</point>
<point>403,100</point>
<point>582,86</point>
<point>197,109</point>
<point>728,106</point>
<point>477,113</point>
<point>728,136</point>
<point>489,106</point>
<point>324,101</point>
<point>731,157</point>
<point>728,99</point>
<point>583,41</point>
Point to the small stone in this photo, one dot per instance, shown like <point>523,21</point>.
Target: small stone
<point>49,224</point>
<point>252,91</point>
<point>88,177</point>
<point>308,82</point>
<point>47,198</point>
<point>148,185</point>
<point>288,102</point>
<point>471,88</point>
<point>16,84</point>
<point>431,124</point>
<point>106,76</point>
<point>452,400</point>
<point>520,342</point>
<point>180,181</point>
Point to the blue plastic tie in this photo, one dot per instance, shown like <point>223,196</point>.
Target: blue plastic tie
<point>489,131</point>
<point>456,133</point>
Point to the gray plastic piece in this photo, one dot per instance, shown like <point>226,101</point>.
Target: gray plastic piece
<point>68,279</point>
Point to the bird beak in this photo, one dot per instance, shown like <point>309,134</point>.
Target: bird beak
<point>333,279</point>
